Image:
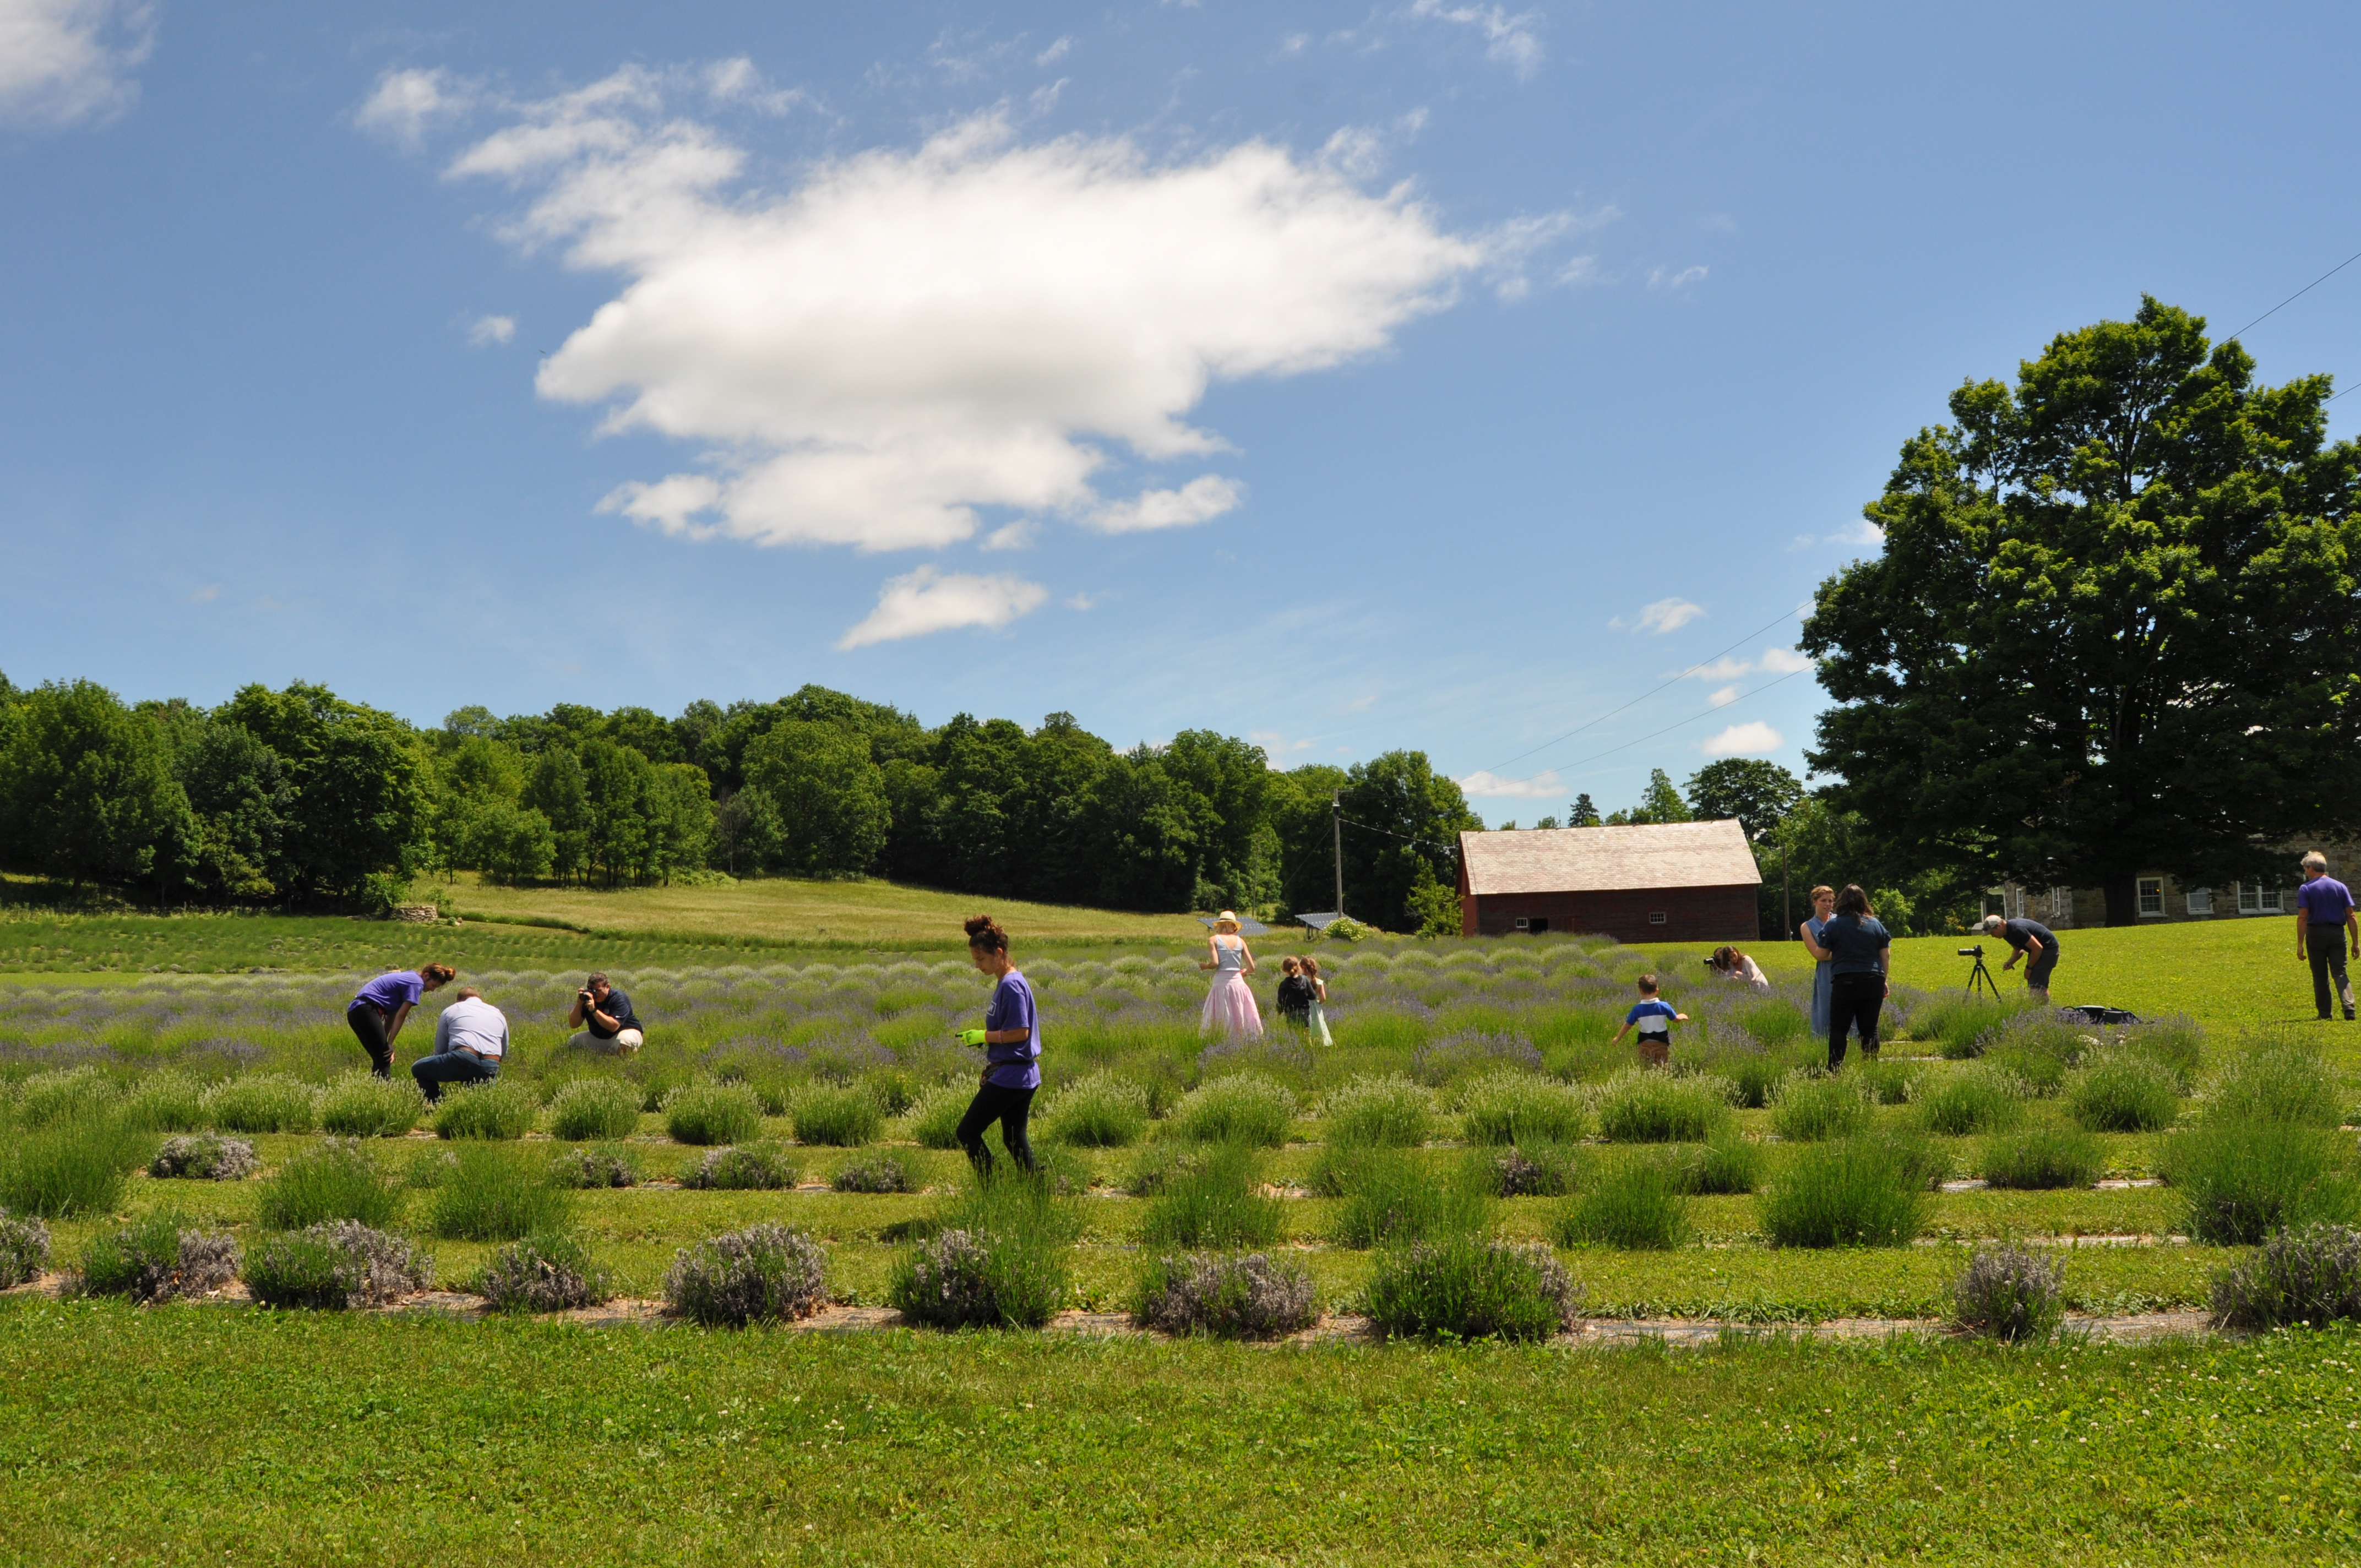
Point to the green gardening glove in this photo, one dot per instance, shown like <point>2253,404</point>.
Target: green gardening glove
<point>971,1036</point>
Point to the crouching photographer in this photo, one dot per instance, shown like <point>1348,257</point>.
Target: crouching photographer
<point>605,1018</point>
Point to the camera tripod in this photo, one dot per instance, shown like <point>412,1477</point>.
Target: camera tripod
<point>1979,977</point>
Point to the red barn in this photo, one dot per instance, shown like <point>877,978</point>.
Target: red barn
<point>1664,882</point>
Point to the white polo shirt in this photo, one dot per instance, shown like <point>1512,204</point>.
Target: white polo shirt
<point>472,1023</point>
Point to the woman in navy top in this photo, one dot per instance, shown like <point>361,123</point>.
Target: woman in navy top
<point>377,1014</point>
<point>1011,1038</point>
<point>1860,951</point>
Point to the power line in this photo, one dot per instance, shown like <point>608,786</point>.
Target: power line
<point>1668,729</point>
<point>2298,294</point>
<point>1685,674</point>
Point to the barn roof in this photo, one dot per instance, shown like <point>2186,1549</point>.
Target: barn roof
<point>1607,859</point>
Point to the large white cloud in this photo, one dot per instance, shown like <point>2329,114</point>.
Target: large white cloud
<point>901,338</point>
<point>1749,739</point>
<point>927,600</point>
<point>1492,787</point>
<point>62,61</point>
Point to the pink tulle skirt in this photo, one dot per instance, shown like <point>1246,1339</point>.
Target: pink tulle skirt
<point>1230,1008</point>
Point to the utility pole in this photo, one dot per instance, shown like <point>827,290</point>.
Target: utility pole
<point>1336,828</point>
<point>1786,910</point>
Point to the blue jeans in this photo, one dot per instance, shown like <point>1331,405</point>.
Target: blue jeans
<point>451,1067</point>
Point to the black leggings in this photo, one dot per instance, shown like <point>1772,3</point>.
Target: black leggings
<point>1009,1107</point>
<point>1854,998</point>
<point>370,1024</point>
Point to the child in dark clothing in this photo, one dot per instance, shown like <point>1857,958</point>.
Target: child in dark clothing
<point>1295,994</point>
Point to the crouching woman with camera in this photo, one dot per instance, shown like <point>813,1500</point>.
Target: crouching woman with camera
<point>605,1017</point>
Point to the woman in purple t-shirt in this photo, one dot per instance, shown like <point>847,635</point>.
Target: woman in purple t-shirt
<point>1011,1038</point>
<point>377,1014</point>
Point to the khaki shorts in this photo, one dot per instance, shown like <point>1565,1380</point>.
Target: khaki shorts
<point>626,1043</point>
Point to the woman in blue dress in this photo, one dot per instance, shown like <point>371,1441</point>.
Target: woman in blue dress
<point>1824,908</point>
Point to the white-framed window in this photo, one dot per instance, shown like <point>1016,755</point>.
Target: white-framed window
<point>2061,907</point>
<point>2151,897</point>
<point>1656,917</point>
<point>1524,924</point>
<point>2271,905</point>
<point>1996,903</point>
<point>2256,900</point>
<point>2200,901</point>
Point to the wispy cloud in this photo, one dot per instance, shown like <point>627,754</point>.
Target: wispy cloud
<point>486,330</point>
<point>1201,499</point>
<point>1749,739</point>
<point>1863,533</point>
<point>1774,661</point>
<point>1665,280</point>
<point>1540,786</point>
<point>67,62</point>
<point>1664,616</point>
<point>1512,40</point>
<point>927,601</point>
<point>409,104</point>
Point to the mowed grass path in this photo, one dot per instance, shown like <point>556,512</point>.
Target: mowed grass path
<point>193,1433</point>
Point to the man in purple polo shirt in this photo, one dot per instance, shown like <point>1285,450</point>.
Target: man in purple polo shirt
<point>2324,926</point>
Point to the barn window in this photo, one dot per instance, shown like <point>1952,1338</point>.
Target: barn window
<point>1524,924</point>
<point>1656,917</point>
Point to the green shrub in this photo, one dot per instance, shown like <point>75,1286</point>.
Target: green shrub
<point>1527,1170</point>
<point>1224,1297</point>
<point>712,1114</point>
<point>2043,1159</point>
<point>765,1273</point>
<point>166,1101</point>
<point>2240,1181</point>
<point>1727,1163</point>
<point>24,1250</point>
<point>1512,1107</point>
<point>70,1170</point>
<point>1390,1196</point>
<point>1101,1111</point>
<point>1886,1082</point>
<point>1958,1024</point>
<point>1977,1098</point>
<point>1469,1287</point>
<point>2310,1275</point>
<point>877,1172</point>
<point>263,1102</point>
<point>2007,1293</point>
<point>363,1105</point>
<point>1000,1259</point>
<point>2275,1083</point>
<point>595,1168</point>
<point>336,1264</point>
<point>496,1193</point>
<point>500,1109</point>
<point>545,1272</point>
<point>203,1156</point>
<point>1244,1108</point>
<point>1374,1113</point>
<point>339,1180</point>
<point>65,1094</point>
<point>1213,1201</point>
<point>740,1167</point>
<point>894,1090</point>
<point>1642,1106</point>
<point>839,1118</point>
<point>2042,1073</point>
<point>2038,1044</point>
<point>2175,1040</point>
<point>153,1259</point>
<point>1633,1203</point>
<point>1861,1192</point>
<point>2123,1092</point>
<point>935,1117</point>
<point>595,1108</point>
<point>1809,1108</point>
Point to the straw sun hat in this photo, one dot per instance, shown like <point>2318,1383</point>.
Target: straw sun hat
<point>1226,917</point>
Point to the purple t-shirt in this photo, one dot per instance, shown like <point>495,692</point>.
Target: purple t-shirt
<point>390,991</point>
<point>2325,900</point>
<point>1017,1065</point>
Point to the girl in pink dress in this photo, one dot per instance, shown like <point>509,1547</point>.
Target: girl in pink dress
<point>1230,1007</point>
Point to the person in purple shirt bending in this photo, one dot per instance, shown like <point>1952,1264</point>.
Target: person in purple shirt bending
<point>1011,1038</point>
<point>2323,925</point>
<point>377,1014</point>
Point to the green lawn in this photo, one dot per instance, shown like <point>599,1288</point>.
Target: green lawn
<point>191,1433</point>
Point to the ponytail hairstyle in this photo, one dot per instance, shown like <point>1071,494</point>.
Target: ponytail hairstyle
<point>436,975</point>
<point>1311,967</point>
<point>985,935</point>
<point>1853,901</point>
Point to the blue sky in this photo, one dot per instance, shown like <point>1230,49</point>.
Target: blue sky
<point>1431,374</point>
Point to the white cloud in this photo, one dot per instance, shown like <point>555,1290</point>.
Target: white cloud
<point>1017,535</point>
<point>1861,533</point>
<point>925,600</point>
<point>904,336</point>
<point>1774,662</point>
<point>1202,498</point>
<point>1510,41</point>
<point>1665,280</point>
<point>1664,616</point>
<point>491,329</point>
<point>1055,52</point>
<point>1540,786</point>
<point>1784,661</point>
<point>408,104</point>
<point>1085,602</point>
<point>1749,739</point>
<point>66,61</point>
<point>1725,696</point>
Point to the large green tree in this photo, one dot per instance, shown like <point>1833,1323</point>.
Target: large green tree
<point>825,794</point>
<point>1755,792</point>
<point>87,792</point>
<point>2112,627</point>
<point>359,806</point>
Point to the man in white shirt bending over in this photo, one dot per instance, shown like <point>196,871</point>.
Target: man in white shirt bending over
<point>470,1038</point>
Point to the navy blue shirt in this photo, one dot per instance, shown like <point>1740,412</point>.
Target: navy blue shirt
<point>2017,933</point>
<point>1855,941</point>
<point>1014,1066</point>
<point>616,1006</point>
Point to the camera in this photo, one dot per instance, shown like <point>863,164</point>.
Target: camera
<point>1974,952</point>
<point>584,996</point>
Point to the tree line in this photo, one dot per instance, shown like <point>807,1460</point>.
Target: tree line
<point>302,798</point>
